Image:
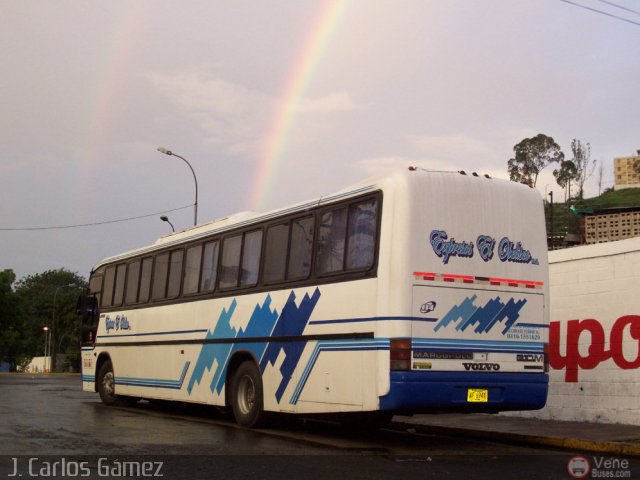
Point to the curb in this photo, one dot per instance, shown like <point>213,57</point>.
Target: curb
<point>43,375</point>
<point>568,443</point>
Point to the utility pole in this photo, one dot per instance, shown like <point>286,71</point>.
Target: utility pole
<point>551,219</point>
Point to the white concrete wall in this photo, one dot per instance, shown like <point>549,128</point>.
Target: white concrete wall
<point>39,365</point>
<point>594,336</point>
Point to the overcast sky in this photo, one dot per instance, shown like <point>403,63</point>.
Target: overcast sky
<point>276,102</point>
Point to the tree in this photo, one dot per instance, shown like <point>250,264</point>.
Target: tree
<point>49,299</point>
<point>11,340</point>
<point>582,161</point>
<point>564,175</point>
<point>600,176</point>
<point>531,156</point>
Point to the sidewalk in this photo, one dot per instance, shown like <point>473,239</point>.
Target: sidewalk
<point>593,437</point>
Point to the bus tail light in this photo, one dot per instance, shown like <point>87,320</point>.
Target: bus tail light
<point>546,358</point>
<point>400,354</point>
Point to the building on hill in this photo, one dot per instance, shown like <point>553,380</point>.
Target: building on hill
<point>610,224</point>
<point>625,174</point>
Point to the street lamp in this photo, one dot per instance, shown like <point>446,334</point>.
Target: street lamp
<point>46,347</point>
<point>53,318</point>
<point>164,218</point>
<point>195,205</point>
<point>551,219</point>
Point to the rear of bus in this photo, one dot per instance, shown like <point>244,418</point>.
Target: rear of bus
<point>468,261</point>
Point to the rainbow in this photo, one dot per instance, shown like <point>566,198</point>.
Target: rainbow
<point>296,86</point>
<point>117,57</point>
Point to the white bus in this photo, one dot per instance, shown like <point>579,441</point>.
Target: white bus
<point>418,292</point>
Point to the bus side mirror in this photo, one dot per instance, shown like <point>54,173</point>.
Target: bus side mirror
<point>87,306</point>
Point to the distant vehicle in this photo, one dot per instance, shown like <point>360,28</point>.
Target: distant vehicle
<point>417,292</point>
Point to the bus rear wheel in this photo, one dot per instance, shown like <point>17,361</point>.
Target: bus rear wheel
<point>246,395</point>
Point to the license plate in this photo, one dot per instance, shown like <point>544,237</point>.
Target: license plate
<point>477,395</point>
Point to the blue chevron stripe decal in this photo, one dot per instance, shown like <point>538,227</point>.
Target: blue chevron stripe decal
<point>153,382</point>
<point>264,322</point>
<point>335,346</point>
<point>467,314</point>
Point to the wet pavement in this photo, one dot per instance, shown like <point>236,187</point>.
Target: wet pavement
<point>52,418</point>
<point>591,437</point>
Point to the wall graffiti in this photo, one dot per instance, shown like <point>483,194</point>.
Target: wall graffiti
<point>625,329</point>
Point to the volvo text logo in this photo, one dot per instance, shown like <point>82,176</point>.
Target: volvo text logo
<point>487,367</point>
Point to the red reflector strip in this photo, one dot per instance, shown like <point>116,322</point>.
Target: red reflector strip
<point>518,283</point>
<point>498,282</point>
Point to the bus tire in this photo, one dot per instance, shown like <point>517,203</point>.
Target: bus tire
<point>107,387</point>
<point>107,384</point>
<point>247,396</point>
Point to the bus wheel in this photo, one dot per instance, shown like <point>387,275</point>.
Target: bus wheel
<point>107,387</point>
<point>107,384</point>
<point>246,395</point>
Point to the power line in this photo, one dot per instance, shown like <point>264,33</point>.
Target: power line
<point>620,6</point>
<point>600,12</point>
<point>28,229</point>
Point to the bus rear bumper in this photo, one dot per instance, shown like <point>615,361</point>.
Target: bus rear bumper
<point>424,392</point>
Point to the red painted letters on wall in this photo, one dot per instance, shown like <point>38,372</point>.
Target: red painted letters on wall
<point>597,351</point>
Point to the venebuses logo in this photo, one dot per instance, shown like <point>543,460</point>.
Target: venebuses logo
<point>578,467</point>
<point>599,467</point>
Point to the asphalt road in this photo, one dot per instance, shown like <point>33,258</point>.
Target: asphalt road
<point>48,425</point>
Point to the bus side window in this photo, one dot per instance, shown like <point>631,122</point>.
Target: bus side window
<point>133,279</point>
<point>145,280</point>
<point>192,270</point>
<point>275,261</point>
<point>209,266</point>
<point>107,290</point>
<point>231,247</point>
<point>118,293</point>
<point>95,284</point>
<point>301,248</point>
<point>333,229</point>
<point>175,274</point>
<point>160,276</point>
<point>361,241</point>
<point>251,248</point>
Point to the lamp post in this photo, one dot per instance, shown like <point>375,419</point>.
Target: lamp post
<point>53,320</point>
<point>551,219</point>
<point>46,347</point>
<point>195,205</point>
<point>164,218</point>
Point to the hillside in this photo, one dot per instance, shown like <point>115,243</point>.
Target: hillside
<point>565,221</point>
<point>628,197</point>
